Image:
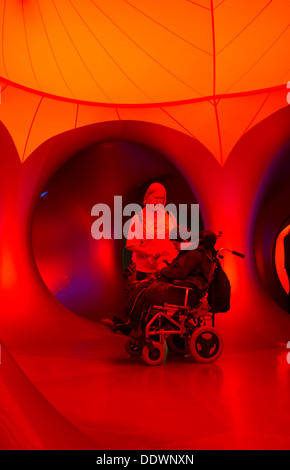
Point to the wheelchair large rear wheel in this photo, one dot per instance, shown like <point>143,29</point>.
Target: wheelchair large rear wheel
<point>206,344</point>
<point>153,354</point>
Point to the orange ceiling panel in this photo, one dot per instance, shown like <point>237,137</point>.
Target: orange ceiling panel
<point>143,51</point>
<point>210,69</point>
<point>51,117</point>
<point>17,111</point>
<point>218,124</point>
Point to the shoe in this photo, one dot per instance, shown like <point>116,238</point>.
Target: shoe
<point>108,323</point>
<point>117,325</point>
<point>124,328</point>
<point>119,320</point>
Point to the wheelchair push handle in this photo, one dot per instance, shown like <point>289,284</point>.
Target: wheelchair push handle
<point>236,253</point>
<point>241,255</point>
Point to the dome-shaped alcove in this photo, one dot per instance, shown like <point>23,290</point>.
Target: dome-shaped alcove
<point>85,274</point>
<point>146,152</point>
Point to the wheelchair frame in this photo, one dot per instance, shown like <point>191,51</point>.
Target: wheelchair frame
<point>189,318</point>
<point>176,321</point>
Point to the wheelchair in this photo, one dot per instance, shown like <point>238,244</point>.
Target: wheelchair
<point>183,329</point>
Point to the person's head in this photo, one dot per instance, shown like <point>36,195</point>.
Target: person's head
<point>155,194</point>
<point>180,236</point>
<point>207,239</point>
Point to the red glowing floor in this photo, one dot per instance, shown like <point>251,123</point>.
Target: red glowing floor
<point>103,399</point>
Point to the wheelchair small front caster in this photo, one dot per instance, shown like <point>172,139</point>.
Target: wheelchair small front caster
<point>206,344</point>
<point>133,347</point>
<point>153,354</point>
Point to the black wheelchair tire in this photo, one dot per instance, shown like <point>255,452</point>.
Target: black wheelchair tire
<point>133,347</point>
<point>206,344</point>
<point>153,355</point>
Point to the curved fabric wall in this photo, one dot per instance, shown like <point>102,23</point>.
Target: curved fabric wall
<point>218,102</point>
<point>203,85</point>
<point>225,205</point>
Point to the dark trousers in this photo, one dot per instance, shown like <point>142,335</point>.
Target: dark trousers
<point>148,293</point>
<point>140,276</point>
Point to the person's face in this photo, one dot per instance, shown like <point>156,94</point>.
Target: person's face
<point>158,197</point>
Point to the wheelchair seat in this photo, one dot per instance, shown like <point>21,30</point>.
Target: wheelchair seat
<point>187,291</point>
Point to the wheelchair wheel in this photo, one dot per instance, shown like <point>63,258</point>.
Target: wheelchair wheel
<point>154,354</point>
<point>177,344</point>
<point>206,344</point>
<point>132,347</point>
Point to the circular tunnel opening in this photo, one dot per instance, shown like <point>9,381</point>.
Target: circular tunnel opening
<point>85,274</point>
<point>272,225</point>
<point>279,255</point>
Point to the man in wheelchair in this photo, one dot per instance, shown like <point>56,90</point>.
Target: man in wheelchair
<point>192,269</point>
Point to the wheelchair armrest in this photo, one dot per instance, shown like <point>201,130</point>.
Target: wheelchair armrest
<point>180,286</point>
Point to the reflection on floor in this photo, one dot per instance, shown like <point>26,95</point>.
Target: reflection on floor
<point>239,402</point>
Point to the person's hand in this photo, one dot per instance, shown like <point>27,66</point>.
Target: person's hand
<point>163,264</point>
<point>154,253</point>
<point>154,276</point>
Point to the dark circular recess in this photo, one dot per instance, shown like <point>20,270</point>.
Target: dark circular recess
<point>273,215</point>
<point>84,274</point>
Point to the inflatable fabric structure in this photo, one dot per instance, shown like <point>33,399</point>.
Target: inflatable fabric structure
<point>192,91</point>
